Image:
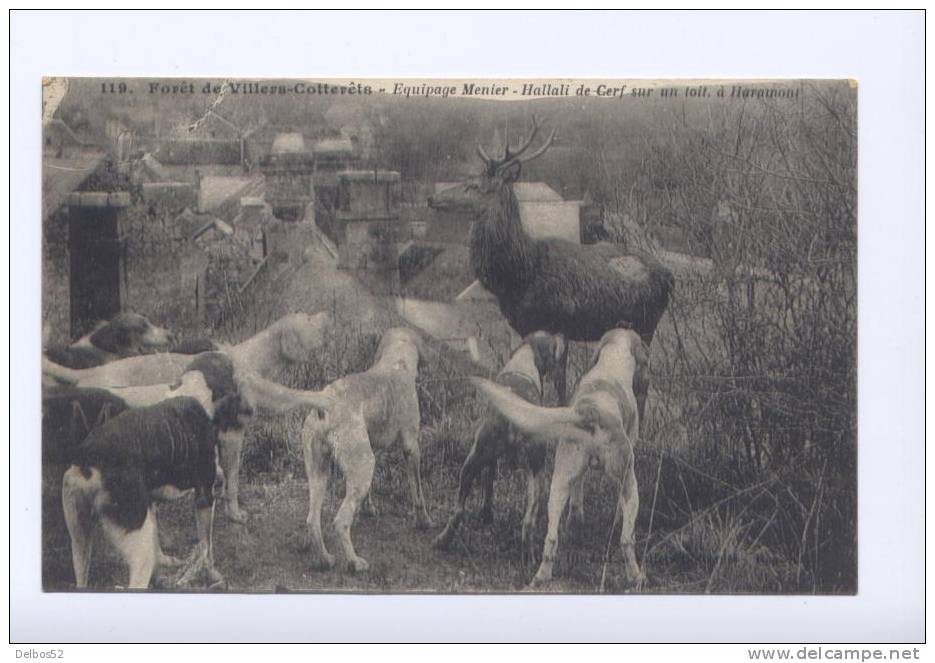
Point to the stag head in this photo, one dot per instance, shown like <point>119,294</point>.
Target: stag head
<point>478,193</point>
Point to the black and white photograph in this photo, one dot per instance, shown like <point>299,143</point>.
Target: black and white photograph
<point>449,336</point>
<point>474,326</point>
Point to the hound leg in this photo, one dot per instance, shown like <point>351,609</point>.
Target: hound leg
<point>316,471</point>
<point>354,456</point>
<point>533,491</point>
<point>569,465</point>
<point>137,547</point>
<point>473,464</point>
<point>410,440</point>
<point>576,508</point>
<point>490,475</point>
<point>204,522</point>
<point>78,520</point>
<point>162,559</point>
<point>629,507</point>
<point>231,444</point>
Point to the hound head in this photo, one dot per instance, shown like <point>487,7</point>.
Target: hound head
<point>129,334</point>
<point>477,195</point>
<point>624,342</point>
<point>622,356</point>
<point>401,347</point>
<point>548,350</point>
<point>230,406</point>
<point>301,335</point>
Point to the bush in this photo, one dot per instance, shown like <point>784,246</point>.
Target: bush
<point>756,363</point>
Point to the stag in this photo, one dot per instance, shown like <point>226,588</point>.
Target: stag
<point>552,285</point>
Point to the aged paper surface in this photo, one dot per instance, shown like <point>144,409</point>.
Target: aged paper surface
<point>449,336</point>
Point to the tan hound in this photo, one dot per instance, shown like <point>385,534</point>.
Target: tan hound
<point>598,429</point>
<point>371,410</point>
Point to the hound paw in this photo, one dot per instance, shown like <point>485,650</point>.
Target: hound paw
<point>538,584</point>
<point>541,579</point>
<point>323,562</point>
<point>215,581</point>
<point>636,580</point>
<point>357,564</point>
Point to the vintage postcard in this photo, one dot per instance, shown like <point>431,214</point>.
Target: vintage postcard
<point>449,336</point>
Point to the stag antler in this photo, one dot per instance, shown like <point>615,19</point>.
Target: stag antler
<point>511,156</point>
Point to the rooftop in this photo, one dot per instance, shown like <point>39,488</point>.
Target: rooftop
<point>288,143</point>
<point>369,175</point>
<point>334,146</point>
<point>61,176</point>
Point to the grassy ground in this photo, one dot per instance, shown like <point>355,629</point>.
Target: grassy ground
<point>698,529</point>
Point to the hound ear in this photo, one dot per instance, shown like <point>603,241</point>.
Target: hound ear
<point>511,173</point>
<point>420,347</point>
<point>290,345</point>
<point>112,338</point>
<point>228,410</point>
<point>640,352</point>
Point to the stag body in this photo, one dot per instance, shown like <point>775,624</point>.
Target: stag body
<point>551,284</point>
<point>564,288</point>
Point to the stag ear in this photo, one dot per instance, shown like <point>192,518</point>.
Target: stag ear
<point>511,172</point>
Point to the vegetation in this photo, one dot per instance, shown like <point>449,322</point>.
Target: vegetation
<point>747,458</point>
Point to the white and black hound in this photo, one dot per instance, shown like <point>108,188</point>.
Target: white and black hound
<point>128,334</point>
<point>495,437</point>
<point>293,338</point>
<point>598,429</point>
<point>158,451</point>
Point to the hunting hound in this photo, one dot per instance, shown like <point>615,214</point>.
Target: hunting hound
<point>157,451</point>
<point>371,410</point>
<point>293,338</point>
<point>598,429</point>
<point>126,335</point>
<point>495,436</point>
<point>296,337</point>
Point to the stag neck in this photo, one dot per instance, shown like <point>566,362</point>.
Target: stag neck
<point>503,255</point>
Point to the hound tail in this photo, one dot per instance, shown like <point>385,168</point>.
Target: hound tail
<point>78,506</point>
<point>59,373</point>
<point>553,424</point>
<point>276,398</point>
